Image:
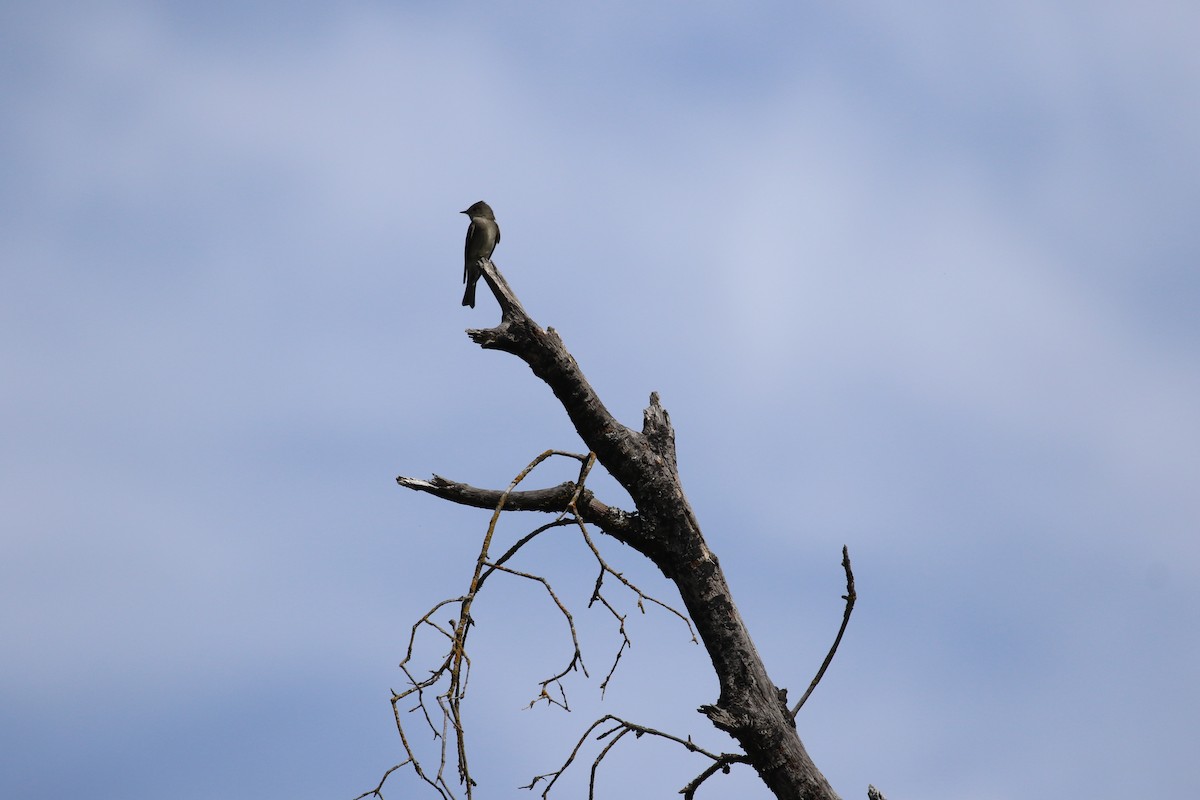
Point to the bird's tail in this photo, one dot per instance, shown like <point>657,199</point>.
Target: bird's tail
<point>469,294</point>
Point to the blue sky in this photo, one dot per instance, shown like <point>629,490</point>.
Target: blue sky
<point>917,280</point>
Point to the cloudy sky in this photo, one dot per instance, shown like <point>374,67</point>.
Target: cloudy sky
<point>917,279</point>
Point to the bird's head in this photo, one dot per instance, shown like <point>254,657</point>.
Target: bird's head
<point>480,209</point>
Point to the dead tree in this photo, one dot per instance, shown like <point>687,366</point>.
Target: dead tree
<point>664,529</point>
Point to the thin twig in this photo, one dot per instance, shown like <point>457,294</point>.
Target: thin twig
<point>600,757</point>
<point>524,540</point>
<point>378,790</point>
<point>720,765</point>
<point>576,659</point>
<point>642,599</point>
<point>620,728</point>
<point>850,596</point>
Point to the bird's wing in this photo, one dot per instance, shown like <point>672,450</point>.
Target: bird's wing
<point>467,251</point>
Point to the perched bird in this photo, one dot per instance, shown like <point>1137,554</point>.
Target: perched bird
<point>482,237</point>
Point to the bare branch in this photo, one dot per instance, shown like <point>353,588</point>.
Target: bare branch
<point>642,598</point>
<point>510,306</point>
<point>850,596</point>
<point>619,524</point>
<point>576,659</point>
<point>543,350</point>
<point>378,790</point>
<point>524,540</point>
<point>554,776</point>
<point>620,728</point>
<point>722,764</point>
<point>600,757</point>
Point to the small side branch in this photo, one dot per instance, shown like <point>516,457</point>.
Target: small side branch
<point>576,659</point>
<point>619,524</point>
<point>378,790</point>
<point>722,765</point>
<point>642,599</point>
<point>850,596</point>
<point>619,729</point>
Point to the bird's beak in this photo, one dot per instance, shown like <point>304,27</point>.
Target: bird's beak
<point>468,211</point>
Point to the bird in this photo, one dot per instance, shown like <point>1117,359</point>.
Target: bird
<point>482,237</point>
